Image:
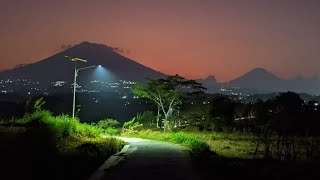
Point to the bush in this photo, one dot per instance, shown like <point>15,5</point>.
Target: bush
<point>147,118</point>
<point>168,126</point>
<point>131,125</point>
<point>112,131</point>
<point>197,146</point>
<point>29,118</point>
<point>179,137</point>
<point>190,141</point>
<point>63,125</point>
<point>108,123</point>
<point>87,130</point>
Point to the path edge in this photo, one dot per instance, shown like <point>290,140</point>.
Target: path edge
<point>111,161</point>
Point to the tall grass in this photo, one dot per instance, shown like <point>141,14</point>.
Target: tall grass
<point>61,125</point>
<point>195,144</point>
<point>230,145</point>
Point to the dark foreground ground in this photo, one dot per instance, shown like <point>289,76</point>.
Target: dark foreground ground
<point>31,153</point>
<point>222,168</point>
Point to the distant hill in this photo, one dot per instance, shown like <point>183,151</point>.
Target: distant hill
<point>263,81</point>
<point>259,79</point>
<point>210,83</point>
<point>57,67</point>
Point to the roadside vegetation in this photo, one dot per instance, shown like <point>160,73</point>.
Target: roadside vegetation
<point>197,147</point>
<point>229,145</point>
<point>276,138</point>
<point>42,146</point>
<point>284,127</point>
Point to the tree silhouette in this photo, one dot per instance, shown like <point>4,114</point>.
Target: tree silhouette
<point>167,93</point>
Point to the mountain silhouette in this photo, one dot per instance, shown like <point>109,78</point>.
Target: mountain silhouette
<point>118,67</point>
<point>210,83</point>
<point>57,67</point>
<point>259,79</point>
<point>266,82</point>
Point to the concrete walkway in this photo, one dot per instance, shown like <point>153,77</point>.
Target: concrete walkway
<point>147,159</point>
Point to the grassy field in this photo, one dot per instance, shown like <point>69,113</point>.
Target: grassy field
<point>232,157</point>
<point>42,146</point>
<point>229,145</point>
<point>190,141</point>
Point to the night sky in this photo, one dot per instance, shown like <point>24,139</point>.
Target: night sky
<point>193,38</point>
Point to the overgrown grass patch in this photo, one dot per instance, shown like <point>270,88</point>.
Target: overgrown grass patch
<point>197,146</point>
<point>229,145</point>
<point>61,125</point>
<point>106,146</point>
<point>40,144</point>
<point>112,131</point>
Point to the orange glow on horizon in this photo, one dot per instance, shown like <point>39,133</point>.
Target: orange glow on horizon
<point>191,38</point>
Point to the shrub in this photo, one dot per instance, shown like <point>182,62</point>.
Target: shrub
<point>190,141</point>
<point>168,126</point>
<point>87,130</point>
<point>131,125</point>
<point>197,146</point>
<point>112,131</point>
<point>36,116</point>
<point>179,137</point>
<point>108,123</point>
<point>63,125</point>
<point>147,118</point>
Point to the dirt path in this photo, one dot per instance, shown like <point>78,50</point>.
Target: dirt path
<point>151,160</point>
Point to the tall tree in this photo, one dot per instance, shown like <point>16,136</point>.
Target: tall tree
<point>167,93</point>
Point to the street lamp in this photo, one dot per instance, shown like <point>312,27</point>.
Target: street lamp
<point>76,71</point>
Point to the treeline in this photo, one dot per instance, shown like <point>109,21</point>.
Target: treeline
<point>286,126</point>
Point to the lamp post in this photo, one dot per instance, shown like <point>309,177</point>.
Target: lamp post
<point>76,71</point>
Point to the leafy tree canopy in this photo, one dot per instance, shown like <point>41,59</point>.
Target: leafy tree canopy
<point>167,93</point>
